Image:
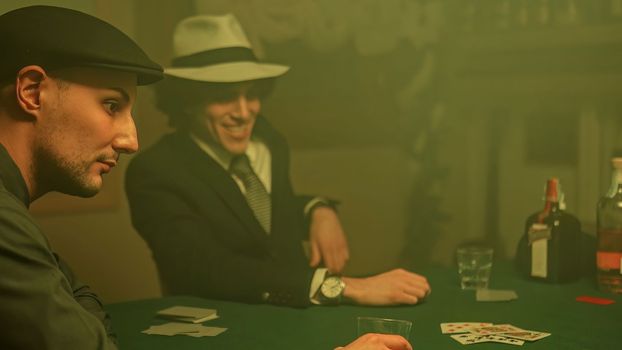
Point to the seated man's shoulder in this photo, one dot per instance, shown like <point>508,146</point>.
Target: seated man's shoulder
<point>17,225</point>
<point>11,207</point>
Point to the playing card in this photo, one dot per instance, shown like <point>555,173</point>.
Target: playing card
<point>495,295</point>
<point>594,300</point>
<point>496,338</point>
<point>494,329</point>
<point>208,332</point>
<point>190,329</point>
<point>467,338</point>
<point>173,328</point>
<point>188,314</point>
<point>461,327</point>
<point>526,335</point>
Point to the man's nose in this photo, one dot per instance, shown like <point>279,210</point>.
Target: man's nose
<point>126,140</point>
<point>242,107</point>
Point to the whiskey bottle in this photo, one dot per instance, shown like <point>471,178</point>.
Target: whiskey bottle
<point>609,234</point>
<point>550,248</point>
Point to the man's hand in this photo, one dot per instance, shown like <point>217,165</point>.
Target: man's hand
<point>327,240</point>
<point>372,341</point>
<point>389,288</point>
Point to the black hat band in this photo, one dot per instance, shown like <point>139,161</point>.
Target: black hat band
<point>216,56</point>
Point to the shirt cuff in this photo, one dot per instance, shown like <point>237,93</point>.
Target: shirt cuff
<point>316,283</point>
<point>313,202</point>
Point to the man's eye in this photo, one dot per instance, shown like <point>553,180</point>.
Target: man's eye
<point>111,107</point>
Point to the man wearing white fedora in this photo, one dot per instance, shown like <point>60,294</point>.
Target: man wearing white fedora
<point>214,200</point>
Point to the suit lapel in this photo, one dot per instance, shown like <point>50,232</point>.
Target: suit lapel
<point>219,180</point>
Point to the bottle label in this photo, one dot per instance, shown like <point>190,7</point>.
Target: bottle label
<point>538,235</point>
<point>609,261</point>
<point>539,258</point>
<point>539,231</point>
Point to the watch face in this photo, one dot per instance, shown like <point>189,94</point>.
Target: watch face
<point>332,287</point>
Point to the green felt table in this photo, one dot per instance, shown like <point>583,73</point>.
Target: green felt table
<point>542,307</point>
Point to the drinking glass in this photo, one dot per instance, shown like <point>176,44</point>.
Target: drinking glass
<point>383,325</point>
<point>474,265</point>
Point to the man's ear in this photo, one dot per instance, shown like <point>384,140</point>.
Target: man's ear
<point>28,89</point>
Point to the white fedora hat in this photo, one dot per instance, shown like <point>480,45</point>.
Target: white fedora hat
<point>215,49</point>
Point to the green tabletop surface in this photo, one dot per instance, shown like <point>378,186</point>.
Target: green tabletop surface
<point>550,308</point>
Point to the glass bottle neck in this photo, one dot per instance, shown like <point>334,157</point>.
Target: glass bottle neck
<point>549,207</point>
<point>616,182</point>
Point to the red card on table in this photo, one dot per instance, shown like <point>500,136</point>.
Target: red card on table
<point>594,300</point>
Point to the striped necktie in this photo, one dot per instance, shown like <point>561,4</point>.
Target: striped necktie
<point>256,195</point>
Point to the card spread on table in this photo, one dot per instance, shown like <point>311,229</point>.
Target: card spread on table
<point>495,295</point>
<point>526,335</point>
<point>495,338</point>
<point>482,332</point>
<point>461,327</point>
<point>188,314</point>
<point>494,329</point>
<point>189,329</point>
<point>467,338</point>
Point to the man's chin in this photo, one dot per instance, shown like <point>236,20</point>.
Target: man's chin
<point>84,190</point>
<point>88,193</point>
<point>237,149</point>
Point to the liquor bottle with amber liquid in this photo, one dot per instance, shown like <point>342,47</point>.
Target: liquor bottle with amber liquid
<point>549,250</point>
<point>609,227</point>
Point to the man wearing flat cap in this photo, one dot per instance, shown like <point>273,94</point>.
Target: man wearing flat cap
<point>67,86</point>
<point>214,200</point>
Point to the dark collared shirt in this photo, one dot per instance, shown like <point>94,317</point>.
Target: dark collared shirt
<point>42,305</point>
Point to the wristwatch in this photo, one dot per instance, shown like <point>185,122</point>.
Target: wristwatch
<point>332,289</point>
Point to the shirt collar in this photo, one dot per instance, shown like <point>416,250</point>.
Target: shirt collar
<point>223,157</point>
<point>12,177</point>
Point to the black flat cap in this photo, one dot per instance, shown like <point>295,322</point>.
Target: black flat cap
<point>56,37</point>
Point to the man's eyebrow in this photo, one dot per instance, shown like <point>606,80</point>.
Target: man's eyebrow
<point>123,93</point>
